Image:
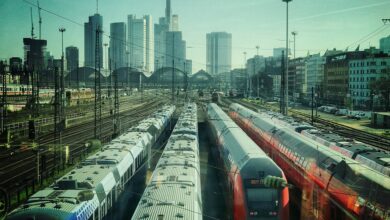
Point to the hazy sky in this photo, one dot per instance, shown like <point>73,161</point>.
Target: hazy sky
<point>320,24</point>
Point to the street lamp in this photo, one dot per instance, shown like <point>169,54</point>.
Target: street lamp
<point>286,75</point>
<point>62,100</point>
<point>258,75</point>
<point>62,30</point>
<point>247,78</point>
<point>294,33</point>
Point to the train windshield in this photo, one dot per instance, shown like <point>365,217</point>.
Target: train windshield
<point>262,202</point>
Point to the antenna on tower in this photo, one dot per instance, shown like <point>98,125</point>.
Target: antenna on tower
<point>32,24</point>
<point>40,19</point>
<point>97,6</point>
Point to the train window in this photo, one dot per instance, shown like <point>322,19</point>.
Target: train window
<point>96,214</point>
<point>261,194</point>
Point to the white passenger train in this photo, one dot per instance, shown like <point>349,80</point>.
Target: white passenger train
<point>174,191</point>
<point>90,190</point>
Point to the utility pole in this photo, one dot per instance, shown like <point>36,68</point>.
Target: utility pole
<point>78,83</point>
<point>62,116</point>
<point>173,67</point>
<point>127,73</point>
<point>116,104</point>
<point>109,78</point>
<point>282,84</point>
<point>57,113</point>
<point>4,95</point>
<point>185,81</point>
<point>312,105</point>
<point>98,95</point>
<point>247,78</point>
<point>155,77</point>
<point>286,72</point>
<point>258,75</point>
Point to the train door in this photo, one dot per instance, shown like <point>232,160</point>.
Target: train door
<point>315,201</point>
<point>335,212</point>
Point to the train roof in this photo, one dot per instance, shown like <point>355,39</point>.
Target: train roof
<point>241,147</point>
<point>309,148</point>
<point>174,190</point>
<point>355,147</point>
<point>97,174</point>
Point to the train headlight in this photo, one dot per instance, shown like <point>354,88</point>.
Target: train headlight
<point>253,213</point>
<point>360,202</point>
<point>272,213</point>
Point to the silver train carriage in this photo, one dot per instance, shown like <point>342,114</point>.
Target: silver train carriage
<point>174,191</point>
<point>90,190</point>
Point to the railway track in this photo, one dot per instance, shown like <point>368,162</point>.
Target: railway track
<point>377,141</point>
<point>20,171</point>
<point>71,113</point>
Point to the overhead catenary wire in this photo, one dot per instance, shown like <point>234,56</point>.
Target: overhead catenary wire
<point>165,55</point>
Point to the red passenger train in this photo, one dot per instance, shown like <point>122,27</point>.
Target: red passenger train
<point>333,186</point>
<point>247,169</point>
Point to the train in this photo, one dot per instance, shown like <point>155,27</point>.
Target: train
<point>247,170</point>
<point>174,190</point>
<point>90,190</point>
<point>370,156</point>
<point>374,158</point>
<point>47,94</point>
<point>216,97</point>
<point>332,185</point>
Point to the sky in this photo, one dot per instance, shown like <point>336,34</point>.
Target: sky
<point>320,25</point>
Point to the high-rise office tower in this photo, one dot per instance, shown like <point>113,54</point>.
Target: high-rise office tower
<point>219,52</point>
<point>94,22</point>
<point>175,50</point>
<point>136,41</point>
<point>72,58</point>
<point>160,30</point>
<point>141,42</point>
<point>175,23</point>
<point>149,43</point>
<point>117,54</point>
<point>168,12</point>
<point>159,42</point>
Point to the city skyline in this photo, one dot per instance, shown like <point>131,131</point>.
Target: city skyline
<point>255,24</point>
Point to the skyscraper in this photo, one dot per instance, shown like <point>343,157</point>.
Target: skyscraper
<point>94,22</point>
<point>141,42</point>
<point>219,52</point>
<point>160,29</point>
<point>72,58</point>
<point>149,41</point>
<point>175,23</point>
<point>175,50</point>
<point>117,56</point>
<point>168,12</point>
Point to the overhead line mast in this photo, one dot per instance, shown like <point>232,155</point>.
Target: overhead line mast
<point>40,20</point>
